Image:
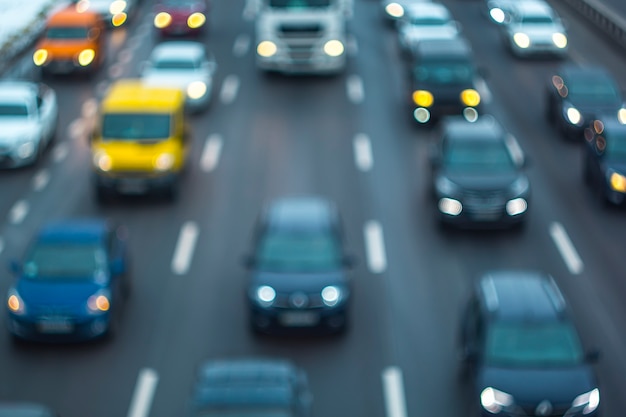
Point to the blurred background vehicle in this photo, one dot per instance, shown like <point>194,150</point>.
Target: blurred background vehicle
<point>393,10</point>
<point>425,21</point>
<point>114,13</point>
<point>25,409</point>
<point>181,17</point>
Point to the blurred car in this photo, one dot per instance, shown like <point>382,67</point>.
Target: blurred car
<point>29,115</point>
<point>72,42</point>
<point>477,174</point>
<point>71,282</point>
<point>180,17</point>
<point>535,29</point>
<point>578,95</point>
<point>425,21</point>
<point>604,167</point>
<point>499,11</point>
<point>185,65</point>
<point>112,12</point>
<point>395,9</point>
<point>25,409</point>
<point>522,349</point>
<point>298,267</point>
<point>251,388</point>
<point>443,80</point>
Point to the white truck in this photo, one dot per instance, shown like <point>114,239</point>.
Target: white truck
<point>302,36</point>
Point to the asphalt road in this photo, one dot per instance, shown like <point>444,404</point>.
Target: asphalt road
<point>279,135</point>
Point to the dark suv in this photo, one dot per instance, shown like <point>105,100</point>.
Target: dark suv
<point>522,349</point>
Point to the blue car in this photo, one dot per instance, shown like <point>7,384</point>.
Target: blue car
<point>71,282</point>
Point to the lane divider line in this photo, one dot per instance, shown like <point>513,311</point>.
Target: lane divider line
<point>41,179</point>
<point>229,90</point>
<point>375,247</point>
<point>566,248</point>
<point>60,152</point>
<point>1,245</point>
<point>354,89</point>
<point>18,212</point>
<point>211,153</point>
<point>363,152</point>
<point>76,129</point>
<point>241,45</point>
<point>184,248</point>
<point>393,390</point>
<point>144,392</point>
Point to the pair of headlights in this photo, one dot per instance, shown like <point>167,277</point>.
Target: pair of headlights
<point>266,295</point>
<point>424,98</point>
<point>162,162</point>
<point>523,41</point>
<point>97,303</point>
<point>163,19</point>
<point>494,400</point>
<point>332,48</point>
<point>574,116</point>
<point>84,57</point>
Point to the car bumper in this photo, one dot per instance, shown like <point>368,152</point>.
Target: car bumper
<point>11,159</point>
<point>180,29</point>
<point>285,320</point>
<point>136,183</point>
<point>68,329</point>
<point>539,50</point>
<point>67,66</point>
<point>315,65</point>
<point>482,216</point>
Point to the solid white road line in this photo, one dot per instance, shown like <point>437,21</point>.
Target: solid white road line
<point>144,391</point>
<point>375,247</point>
<point>211,153</point>
<point>184,248</point>
<point>363,152</point>
<point>354,88</point>
<point>230,87</point>
<point>60,152</point>
<point>514,149</point>
<point>566,248</point>
<point>483,90</point>
<point>18,212</point>
<point>393,389</point>
<point>41,179</point>
<point>241,45</point>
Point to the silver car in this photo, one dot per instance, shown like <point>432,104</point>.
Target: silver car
<point>28,121</point>
<point>395,9</point>
<point>426,21</point>
<point>185,65</point>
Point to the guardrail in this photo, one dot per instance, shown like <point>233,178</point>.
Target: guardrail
<point>603,17</point>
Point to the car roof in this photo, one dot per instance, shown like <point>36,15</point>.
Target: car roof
<point>75,230</point>
<point>443,48</point>
<point>427,10</point>
<point>17,90</point>
<point>485,128</point>
<point>188,50</point>
<point>300,213</point>
<point>521,296</point>
<point>533,8</point>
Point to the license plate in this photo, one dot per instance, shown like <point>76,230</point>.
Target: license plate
<point>132,186</point>
<point>55,326</point>
<point>299,318</point>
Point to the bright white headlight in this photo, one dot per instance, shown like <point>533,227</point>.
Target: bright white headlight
<point>493,400</point>
<point>521,40</point>
<point>574,116</point>
<point>26,149</point>
<point>497,15</point>
<point>333,48</point>
<point>331,295</point>
<point>450,206</point>
<point>118,6</point>
<point>196,90</point>
<point>559,40</point>
<point>265,295</point>
<point>164,161</point>
<point>590,400</point>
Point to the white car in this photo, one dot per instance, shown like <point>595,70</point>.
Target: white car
<point>185,65</point>
<point>395,9</point>
<point>534,28</point>
<point>426,21</point>
<point>28,121</point>
<point>112,12</point>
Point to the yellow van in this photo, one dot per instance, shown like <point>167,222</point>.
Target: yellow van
<point>141,140</point>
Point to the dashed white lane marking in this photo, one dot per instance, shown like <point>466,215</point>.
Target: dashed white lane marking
<point>41,179</point>
<point>352,46</point>
<point>60,152</point>
<point>115,71</point>
<point>101,87</point>
<point>483,90</point>
<point>566,248</point>
<point>18,212</point>
<point>1,245</point>
<point>134,43</point>
<point>211,153</point>
<point>363,152</point>
<point>230,87</point>
<point>514,149</point>
<point>76,129</point>
<point>144,392</point>
<point>241,45</point>
<point>125,56</point>
<point>375,247</point>
<point>184,248</point>
<point>250,10</point>
<point>89,108</point>
<point>393,390</point>
<point>354,88</point>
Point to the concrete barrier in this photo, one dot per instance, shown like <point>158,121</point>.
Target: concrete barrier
<point>607,20</point>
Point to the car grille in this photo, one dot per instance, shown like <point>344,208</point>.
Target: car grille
<point>312,31</point>
<point>286,301</point>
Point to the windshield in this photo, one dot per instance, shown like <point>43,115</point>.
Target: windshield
<point>136,126</point>
<point>169,64</point>
<point>69,32</point>
<point>298,252</point>
<point>299,4</point>
<point>445,72</point>
<point>13,109</point>
<point>600,91</point>
<point>428,21</point>
<point>533,344</point>
<point>486,157</point>
<point>64,260</point>
<point>616,146</point>
<point>536,20</point>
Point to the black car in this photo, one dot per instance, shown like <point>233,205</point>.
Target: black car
<point>442,74</point>
<point>477,174</point>
<point>578,95</point>
<point>604,166</point>
<point>298,267</point>
<point>522,349</point>
<point>251,388</point>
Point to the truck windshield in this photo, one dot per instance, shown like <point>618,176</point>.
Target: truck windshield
<point>299,4</point>
<point>136,126</point>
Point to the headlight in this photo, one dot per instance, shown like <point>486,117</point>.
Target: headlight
<point>196,20</point>
<point>265,295</point>
<point>86,57</point>
<point>333,48</point>
<point>394,10</point>
<point>450,206</point>
<point>516,206</point>
<point>331,295</point>
<point>82,6</point>
<point>99,302</point>
<point>617,181</point>
<point>423,98</point>
<point>493,400</point>
<point>118,6</point>
<point>590,400</point>
<point>444,186</point>
<point>497,14</point>
<point>519,186</point>
<point>162,20</point>
<point>119,19</point>
<point>26,149</point>
<point>40,57</point>
<point>196,90</point>
<point>574,116</point>
<point>15,302</point>
<point>621,116</point>
<point>559,40</point>
<point>102,161</point>
<point>470,97</point>
<point>164,162</point>
<point>266,49</point>
<point>521,40</point>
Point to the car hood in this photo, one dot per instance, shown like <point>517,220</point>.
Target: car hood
<point>531,386</point>
<point>56,297</point>
<point>13,130</point>
<point>287,282</point>
<point>537,31</point>
<point>615,164</point>
<point>178,79</point>
<point>418,33</point>
<point>595,109</point>
<point>482,181</point>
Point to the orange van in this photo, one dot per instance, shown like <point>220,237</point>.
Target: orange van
<point>73,41</point>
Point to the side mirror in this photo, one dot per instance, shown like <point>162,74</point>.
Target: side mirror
<point>592,356</point>
<point>15,267</point>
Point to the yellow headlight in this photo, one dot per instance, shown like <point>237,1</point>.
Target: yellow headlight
<point>333,48</point>
<point>621,116</point>
<point>86,57</point>
<point>394,10</point>
<point>98,303</point>
<point>196,89</point>
<point>618,182</point>
<point>40,57</point>
<point>560,40</point>
<point>423,98</point>
<point>162,20</point>
<point>470,97</point>
<point>119,19</point>
<point>14,303</point>
<point>102,161</point>
<point>522,40</point>
<point>196,20</point>
<point>266,49</point>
